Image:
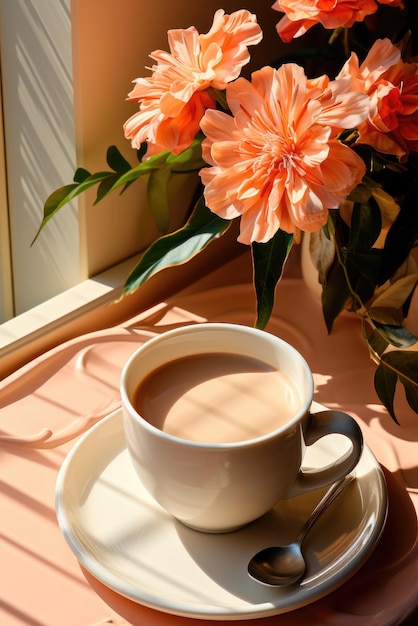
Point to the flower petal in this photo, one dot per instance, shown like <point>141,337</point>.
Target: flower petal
<point>276,161</point>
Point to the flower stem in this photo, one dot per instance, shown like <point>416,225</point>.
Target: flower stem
<point>347,42</point>
<point>220,97</point>
<point>353,293</point>
<point>359,309</point>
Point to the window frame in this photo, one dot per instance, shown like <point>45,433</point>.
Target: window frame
<point>6,285</point>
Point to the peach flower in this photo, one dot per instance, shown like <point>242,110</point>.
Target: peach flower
<point>276,162</point>
<point>173,99</point>
<point>301,15</point>
<point>392,86</point>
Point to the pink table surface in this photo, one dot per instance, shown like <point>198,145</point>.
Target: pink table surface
<point>47,403</point>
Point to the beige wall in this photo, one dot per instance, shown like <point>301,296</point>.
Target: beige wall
<point>111,43</point>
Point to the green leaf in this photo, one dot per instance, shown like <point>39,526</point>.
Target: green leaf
<point>157,194</point>
<point>397,293</point>
<point>411,391</point>
<point>402,235</point>
<point>187,161</point>
<point>368,263</point>
<point>122,175</point>
<point>144,168</point>
<point>108,181</point>
<point>179,247</point>
<point>142,151</point>
<point>398,336</point>
<point>385,384</point>
<point>389,208</point>
<point>268,261</point>
<point>385,316</point>
<point>60,197</point>
<point>405,362</point>
<point>366,224</point>
<point>399,365</point>
<point>116,160</point>
<point>377,342</point>
<point>335,294</point>
<point>105,187</point>
<point>81,174</point>
<point>190,160</point>
<point>361,193</point>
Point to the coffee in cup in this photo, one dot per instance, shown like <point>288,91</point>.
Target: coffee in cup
<point>217,420</point>
<point>216,398</point>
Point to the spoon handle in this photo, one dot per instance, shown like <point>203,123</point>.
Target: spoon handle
<point>329,497</point>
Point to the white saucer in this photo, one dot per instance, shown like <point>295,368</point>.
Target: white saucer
<point>126,541</point>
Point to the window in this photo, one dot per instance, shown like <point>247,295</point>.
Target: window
<point>38,114</point>
<point>67,66</point>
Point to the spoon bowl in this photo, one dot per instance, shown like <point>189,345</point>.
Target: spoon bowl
<point>281,566</point>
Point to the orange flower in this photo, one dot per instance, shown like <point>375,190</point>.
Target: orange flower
<point>276,162</point>
<point>392,85</point>
<point>173,100</point>
<point>301,15</point>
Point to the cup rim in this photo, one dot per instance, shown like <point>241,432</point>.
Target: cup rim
<point>126,402</point>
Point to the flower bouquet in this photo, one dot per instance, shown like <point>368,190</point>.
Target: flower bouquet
<point>290,151</point>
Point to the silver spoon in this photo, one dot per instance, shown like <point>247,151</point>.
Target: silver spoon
<point>284,565</point>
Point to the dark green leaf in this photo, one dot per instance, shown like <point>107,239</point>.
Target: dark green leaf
<point>335,294</point>
<point>105,187</point>
<point>157,194</point>
<point>54,202</point>
<point>385,316</point>
<point>116,160</point>
<point>142,151</point>
<point>377,342</point>
<point>60,197</point>
<point>404,365</point>
<point>364,288</point>
<point>144,168</point>
<point>369,263</point>
<point>366,224</point>
<point>81,174</point>
<point>405,362</point>
<point>88,182</point>
<point>362,192</point>
<point>385,383</point>
<point>411,391</point>
<point>189,160</point>
<point>178,247</point>
<point>398,336</point>
<point>268,261</point>
<point>402,235</point>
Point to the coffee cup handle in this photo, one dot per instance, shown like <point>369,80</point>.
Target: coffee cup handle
<point>327,423</point>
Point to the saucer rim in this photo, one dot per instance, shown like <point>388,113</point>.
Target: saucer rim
<point>211,612</point>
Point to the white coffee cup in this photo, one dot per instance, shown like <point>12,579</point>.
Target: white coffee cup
<point>218,486</point>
